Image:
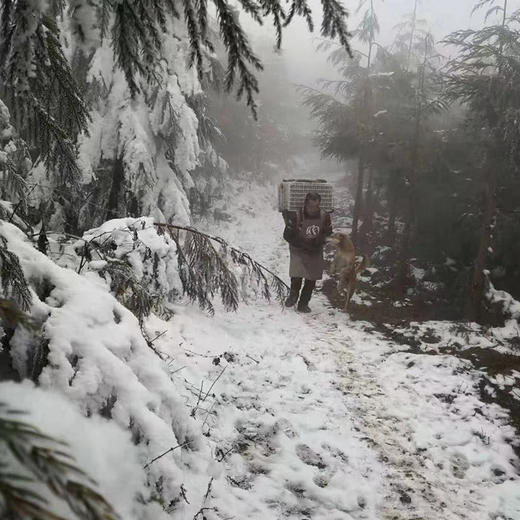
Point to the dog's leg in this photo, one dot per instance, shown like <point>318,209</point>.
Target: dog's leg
<point>333,266</point>
<point>341,286</point>
<point>351,288</point>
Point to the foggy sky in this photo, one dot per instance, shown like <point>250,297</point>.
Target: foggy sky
<point>306,65</point>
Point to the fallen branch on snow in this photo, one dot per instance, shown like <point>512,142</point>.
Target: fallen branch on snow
<point>166,453</point>
<point>198,248</point>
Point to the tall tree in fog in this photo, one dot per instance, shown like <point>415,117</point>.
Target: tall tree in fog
<point>426,102</point>
<point>366,32</point>
<point>410,31</point>
<point>485,74</point>
<point>345,108</point>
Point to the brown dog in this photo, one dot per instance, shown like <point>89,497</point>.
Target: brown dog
<point>345,266</point>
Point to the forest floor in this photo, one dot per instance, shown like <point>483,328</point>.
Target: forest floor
<point>325,416</point>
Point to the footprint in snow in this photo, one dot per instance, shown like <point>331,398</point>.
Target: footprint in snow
<point>286,427</point>
<point>321,480</point>
<point>309,456</point>
<point>459,465</point>
<point>336,452</point>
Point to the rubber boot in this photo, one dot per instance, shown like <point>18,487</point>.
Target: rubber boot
<point>296,284</point>
<point>305,297</point>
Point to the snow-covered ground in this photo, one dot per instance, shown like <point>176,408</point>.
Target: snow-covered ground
<point>314,417</point>
<point>272,414</point>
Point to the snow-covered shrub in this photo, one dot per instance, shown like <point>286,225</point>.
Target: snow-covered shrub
<point>91,349</point>
<point>139,265</point>
<point>148,266</point>
<point>509,309</point>
<point>61,474</point>
<point>510,306</point>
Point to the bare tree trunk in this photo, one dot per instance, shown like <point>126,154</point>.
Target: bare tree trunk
<point>392,207</point>
<point>403,276</point>
<point>359,199</point>
<point>118,176</point>
<point>412,34</point>
<point>404,256</point>
<point>403,273</point>
<point>476,297</point>
<point>368,210</point>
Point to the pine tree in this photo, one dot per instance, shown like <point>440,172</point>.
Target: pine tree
<point>51,104</point>
<point>345,108</point>
<point>489,62</point>
<point>38,86</point>
<point>427,102</point>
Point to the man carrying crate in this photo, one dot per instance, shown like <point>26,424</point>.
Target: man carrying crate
<point>306,230</point>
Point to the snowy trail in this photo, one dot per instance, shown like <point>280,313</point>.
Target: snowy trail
<point>316,418</point>
<point>418,412</point>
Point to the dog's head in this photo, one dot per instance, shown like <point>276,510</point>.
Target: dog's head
<point>338,239</point>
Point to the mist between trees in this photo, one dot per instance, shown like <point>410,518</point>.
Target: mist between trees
<point>436,146</point>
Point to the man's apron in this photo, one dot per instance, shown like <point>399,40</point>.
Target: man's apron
<point>303,263</point>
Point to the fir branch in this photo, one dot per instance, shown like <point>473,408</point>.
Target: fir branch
<point>38,80</point>
<point>274,8</point>
<point>125,33</point>
<point>301,8</point>
<point>135,27</point>
<point>215,264</point>
<point>172,8</point>
<point>103,15</point>
<point>157,6</point>
<point>202,15</point>
<point>239,52</point>
<point>6,14</point>
<point>195,33</point>
<point>334,24</point>
<point>14,284</point>
<point>252,9</point>
<point>192,283</point>
<point>49,465</point>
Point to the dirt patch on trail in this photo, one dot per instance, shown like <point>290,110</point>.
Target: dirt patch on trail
<point>501,370</point>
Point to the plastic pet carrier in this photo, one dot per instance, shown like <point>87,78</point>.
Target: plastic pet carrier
<point>292,192</point>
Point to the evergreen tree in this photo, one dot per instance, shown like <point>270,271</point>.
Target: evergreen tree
<point>55,102</point>
<point>426,102</point>
<point>485,75</point>
<point>345,108</point>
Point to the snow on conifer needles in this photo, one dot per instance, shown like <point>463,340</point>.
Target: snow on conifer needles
<point>32,457</point>
<point>92,350</point>
<point>148,266</point>
<point>13,279</point>
<point>135,30</point>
